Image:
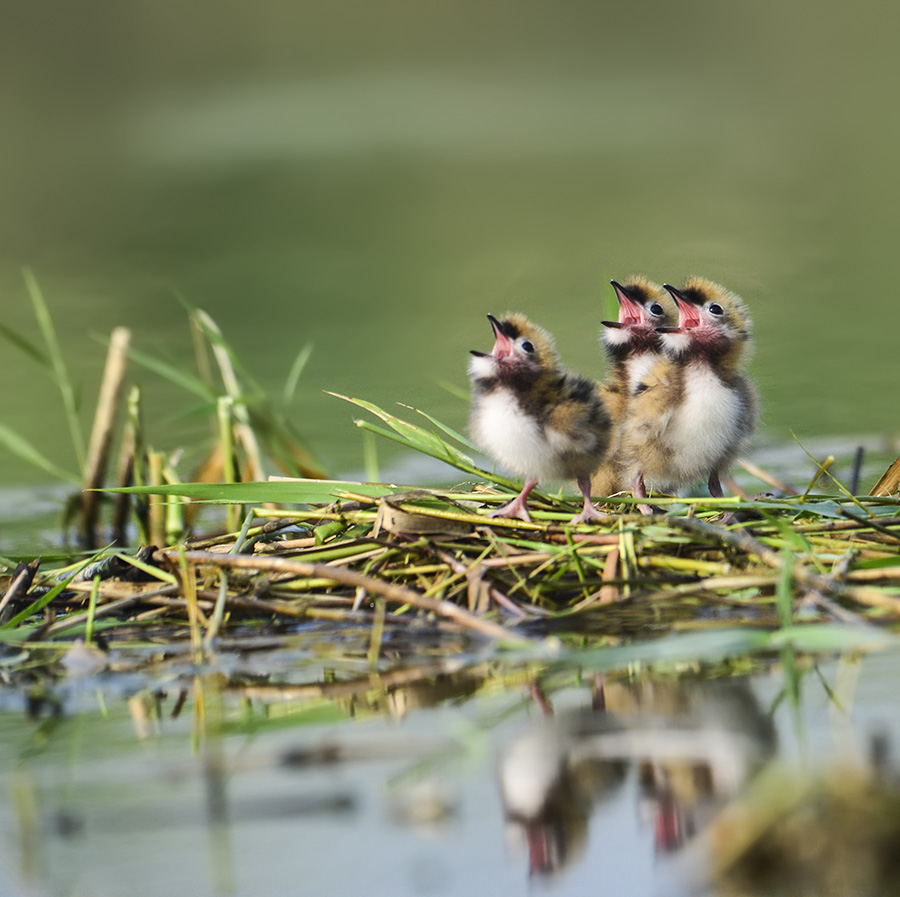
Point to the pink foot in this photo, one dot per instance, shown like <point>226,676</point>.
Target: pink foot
<point>588,512</point>
<point>515,508</point>
<point>639,490</point>
<point>518,507</point>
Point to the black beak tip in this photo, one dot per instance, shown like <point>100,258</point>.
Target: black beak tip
<point>477,354</point>
<point>616,324</point>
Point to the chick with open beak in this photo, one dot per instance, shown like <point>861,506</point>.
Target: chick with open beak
<point>694,410</point>
<point>633,345</point>
<point>535,418</point>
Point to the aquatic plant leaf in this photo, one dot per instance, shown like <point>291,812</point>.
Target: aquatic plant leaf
<point>462,440</point>
<point>829,638</point>
<point>40,603</point>
<point>26,346</point>
<point>784,596</point>
<point>173,374</point>
<point>23,449</point>
<point>420,440</point>
<point>57,364</point>
<point>300,362</point>
<point>416,437</point>
<point>283,491</point>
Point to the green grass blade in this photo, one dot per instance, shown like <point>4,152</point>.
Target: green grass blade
<point>25,345</point>
<point>175,375</point>
<point>455,390</point>
<point>299,491</point>
<point>217,340</point>
<point>421,440</point>
<point>58,364</point>
<point>833,638</point>
<point>300,362</point>
<point>784,597</point>
<point>40,603</point>
<point>23,449</point>
<point>455,434</point>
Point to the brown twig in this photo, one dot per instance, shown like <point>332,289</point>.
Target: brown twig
<point>743,541</point>
<point>394,594</point>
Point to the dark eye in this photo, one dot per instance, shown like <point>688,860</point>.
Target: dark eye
<point>716,309</point>
<point>527,347</point>
<point>656,310</point>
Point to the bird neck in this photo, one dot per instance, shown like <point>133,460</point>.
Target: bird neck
<point>719,350</point>
<point>515,378</point>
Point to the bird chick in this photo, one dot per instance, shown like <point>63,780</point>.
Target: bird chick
<point>691,413</point>
<point>633,346</point>
<point>535,418</point>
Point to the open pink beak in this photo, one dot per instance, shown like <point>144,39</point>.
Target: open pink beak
<point>503,345</point>
<point>688,313</point>
<point>630,313</point>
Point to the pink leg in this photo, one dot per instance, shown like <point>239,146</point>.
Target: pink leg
<point>715,490</point>
<point>639,490</point>
<point>588,511</point>
<point>518,507</point>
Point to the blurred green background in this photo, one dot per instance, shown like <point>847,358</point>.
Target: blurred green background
<point>375,177</point>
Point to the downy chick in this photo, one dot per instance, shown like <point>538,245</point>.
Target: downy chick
<point>692,412</point>
<point>632,346</point>
<point>535,418</point>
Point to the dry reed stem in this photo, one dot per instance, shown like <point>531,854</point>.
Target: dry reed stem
<point>108,406</point>
<point>766,477</point>
<point>390,592</point>
<point>825,584</point>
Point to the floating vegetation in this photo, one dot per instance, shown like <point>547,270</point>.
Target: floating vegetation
<point>387,567</point>
<point>394,565</point>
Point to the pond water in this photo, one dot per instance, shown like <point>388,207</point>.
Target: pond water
<point>458,779</point>
<point>374,183</point>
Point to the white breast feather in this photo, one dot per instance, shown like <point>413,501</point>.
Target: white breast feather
<point>503,430</point>
<point>639,367</point>
<point>705,426</point>
<point>615,336</point>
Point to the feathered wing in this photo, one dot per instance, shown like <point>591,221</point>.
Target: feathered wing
<point>578,427</point>
<point>643,445</point>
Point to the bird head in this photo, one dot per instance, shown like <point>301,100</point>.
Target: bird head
<point>643,307</point>
<point>520,349</point>
<point>711,319</point>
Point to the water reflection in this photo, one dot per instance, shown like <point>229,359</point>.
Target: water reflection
<point>474,781</point>
<point>690,747</point>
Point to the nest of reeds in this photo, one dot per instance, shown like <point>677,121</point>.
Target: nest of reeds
<point>394,564</point>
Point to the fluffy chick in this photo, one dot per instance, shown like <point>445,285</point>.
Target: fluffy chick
<point>534,417</point>
<point>633,345</point>
<point>692,412</point>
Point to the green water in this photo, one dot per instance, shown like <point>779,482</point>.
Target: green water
<point>375,179</point>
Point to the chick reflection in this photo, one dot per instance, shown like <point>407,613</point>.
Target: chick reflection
<point>692,745</point>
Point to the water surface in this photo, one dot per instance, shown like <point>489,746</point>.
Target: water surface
<point>465,782</point>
